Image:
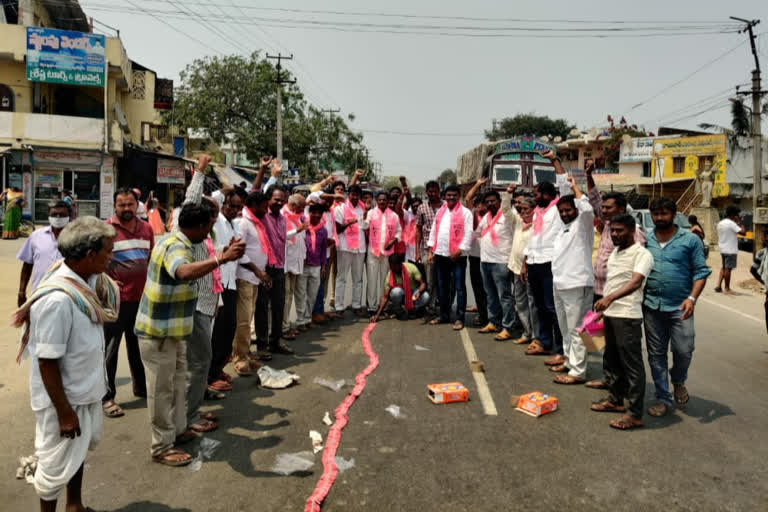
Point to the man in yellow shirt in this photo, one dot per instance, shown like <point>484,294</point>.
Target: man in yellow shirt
<point>409,294</point>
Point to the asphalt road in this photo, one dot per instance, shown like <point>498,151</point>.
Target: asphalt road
<point>709,456</point>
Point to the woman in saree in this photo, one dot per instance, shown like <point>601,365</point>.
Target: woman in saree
<point>14,203</point>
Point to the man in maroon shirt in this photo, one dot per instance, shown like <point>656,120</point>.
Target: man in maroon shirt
<point>133,245</point>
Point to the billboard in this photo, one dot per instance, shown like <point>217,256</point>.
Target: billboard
<point>170,171</point>
<point>637,150</point>
<point>65,57</point>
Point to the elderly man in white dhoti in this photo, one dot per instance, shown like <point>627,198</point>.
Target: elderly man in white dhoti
<point>64,338</point>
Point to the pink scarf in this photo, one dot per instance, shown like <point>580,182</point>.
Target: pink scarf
<point>292,221</point>
<point>312,230</point>
<point>216,274</point>
<point>406,286</point>
<point>538,216</point>
<point>262,232</point>
<point>352,232</point>
<point>457,227</point>
<point>382,221</point>
<point>490,223</point>
<point>409,232</point>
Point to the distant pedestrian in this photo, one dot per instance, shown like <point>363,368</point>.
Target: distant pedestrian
<point>678,277</point>
<point>728,231</point>
<point>760,270</point>
<point>622,306</point>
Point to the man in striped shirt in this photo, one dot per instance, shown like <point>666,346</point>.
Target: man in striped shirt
<point>133,244</point>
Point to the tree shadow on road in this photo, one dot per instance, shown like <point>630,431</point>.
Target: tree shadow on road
<point>147,506</point>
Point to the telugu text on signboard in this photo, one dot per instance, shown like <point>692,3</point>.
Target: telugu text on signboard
<point>65,57</point>
<point>170,171</point>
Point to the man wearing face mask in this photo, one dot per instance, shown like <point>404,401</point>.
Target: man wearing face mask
<point>133,245</point>
<point>40,251</point>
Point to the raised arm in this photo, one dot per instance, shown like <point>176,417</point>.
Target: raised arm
<point>263,166</point>
<point>507,208</point>
<point>356,177</point>
<point>471,194</point>
<point>194,193</point>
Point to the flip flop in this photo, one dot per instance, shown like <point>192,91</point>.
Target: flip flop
<point>188,436</point>
<point>561,368</point>
<point>606,406</point>
<point>112,410</point>
<point>681,394</point>
<point>658,410</point>
<point>626,423</point>
<point>596,384</point>
<point>164,460</point>
<point>568,380</point>
<point>457,326</point>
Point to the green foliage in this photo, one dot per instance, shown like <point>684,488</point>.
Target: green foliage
<point>233,99</point>
<point>612,145</point>
<point>447,177</point>
<point>529,124</point>
<point>419,191</point>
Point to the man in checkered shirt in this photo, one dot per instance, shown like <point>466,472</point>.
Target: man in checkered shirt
<point>425,217</point>
<point>164,322</point>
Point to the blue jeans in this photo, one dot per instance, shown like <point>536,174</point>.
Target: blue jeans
<point>540,280</point>
<point>662,329</point>
<point>449,272</point>
<point>397,299</point>
<point>498,290</point>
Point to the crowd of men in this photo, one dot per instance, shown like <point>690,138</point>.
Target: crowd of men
<point>235,264</point>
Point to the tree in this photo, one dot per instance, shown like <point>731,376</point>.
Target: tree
<point>741,121</point>
<point>418,190</point>
<point>232,99</point>
<point>529,124</point>
<point>612,145</point>
<point>447,177</point>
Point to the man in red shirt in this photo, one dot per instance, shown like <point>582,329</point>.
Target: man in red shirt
<point>133,245</point>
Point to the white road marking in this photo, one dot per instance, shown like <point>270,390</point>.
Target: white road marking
<point>732,310</point>
<point>482,385</point>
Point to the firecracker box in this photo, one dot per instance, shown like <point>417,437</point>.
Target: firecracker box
<point>447,393</point>
<point>536,404</point>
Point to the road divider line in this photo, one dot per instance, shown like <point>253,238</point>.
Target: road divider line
<point>483,391</point>
<point>732,310</point>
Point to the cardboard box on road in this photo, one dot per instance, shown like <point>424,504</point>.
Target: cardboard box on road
<point>536,404</point>
<point>447,393</point>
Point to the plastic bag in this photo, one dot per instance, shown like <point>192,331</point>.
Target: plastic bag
<point>395,411</point>
<point>317,440</point>
<point>208,447</point>
<point>327,419</point>
<point>335,385</point>
<point>344,465</point>
<point>421,349</point>
<point>287,463</point>
<point>276,379</point>
<point>592,323</point>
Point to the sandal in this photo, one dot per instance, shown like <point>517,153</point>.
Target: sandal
<point>596,384</point>
<point>243,369</point>
<point>535,349</point>
<point>288,335</point>
<point>681,394</point>
<point>112,410</point>
<point>555,360</point>
<point>521,341</point>
<point>210,416</point>
<point>457,326</point>
<point>203,426</point>
<point>561,368</point>
<point>658,410</point>
<point>436,321</point>
<point>173,457</point>
<point>626,423</point>
<point>504,335</point>
<point>188,436</point>
<point>606,405</point>
<point>568,380</point>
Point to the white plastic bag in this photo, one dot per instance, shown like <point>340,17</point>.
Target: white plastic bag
<point>344,465</point>
<point>395,411</point>
<point>287,463</point>
<point>335,385</point>
<point>276,379</point>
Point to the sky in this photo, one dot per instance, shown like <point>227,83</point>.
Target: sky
<point>422,100</point>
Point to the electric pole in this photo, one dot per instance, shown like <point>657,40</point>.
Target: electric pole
<point>330,113</point>
<point>757,138</point>
<point>279,80</point>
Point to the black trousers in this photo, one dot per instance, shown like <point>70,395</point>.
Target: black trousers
<point>113,334</point>
<point>223,334</point>
<point>273,298</point>
<point>476,278</point>
<point>623,362</point>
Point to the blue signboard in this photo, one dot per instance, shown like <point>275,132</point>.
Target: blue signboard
<point>65,57</point>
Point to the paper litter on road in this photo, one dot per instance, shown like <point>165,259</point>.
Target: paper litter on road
<point>327,419</point>
<point>287,463</point>
<point>395,411</point>
<point>27,468</point>
<point>335,385</point>
<point>276,379</point>
<point>344,465</point>
<point>317,440</point>
<point>422,349</point>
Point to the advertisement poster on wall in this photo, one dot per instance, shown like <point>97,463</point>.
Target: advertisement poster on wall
<point>170,171</point>
<point>65,57</point>
<point>107,186</point>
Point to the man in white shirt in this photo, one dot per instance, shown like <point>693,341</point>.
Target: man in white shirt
<point>449,242</point>
<point>495,232</point>
<point>296,225</point>
<point>384,231</point>
<point>573,280</point>
<point>350,226</point>
<point>524,304</point>
<point>251,271</point>
<point>226,318</point>
<point>622,305</point>
<point>64,338</point>
<point>728,230</point>
<point>537,265</point>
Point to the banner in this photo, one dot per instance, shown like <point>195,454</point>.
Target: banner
<point>170,171</point>
<point>65,57</point>
<point>637,150</point>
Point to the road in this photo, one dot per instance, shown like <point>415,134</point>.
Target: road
<point>709,456</point>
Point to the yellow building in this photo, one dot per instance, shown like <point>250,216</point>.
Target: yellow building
<point>680,158</point>
<point>62,129</point>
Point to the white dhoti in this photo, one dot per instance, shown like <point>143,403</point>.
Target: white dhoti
<point>59,458</point>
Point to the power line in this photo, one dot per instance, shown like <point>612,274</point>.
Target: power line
<point>422,134</point>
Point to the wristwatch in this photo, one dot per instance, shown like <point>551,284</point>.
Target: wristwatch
<point>692,299</point>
